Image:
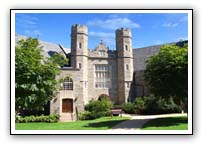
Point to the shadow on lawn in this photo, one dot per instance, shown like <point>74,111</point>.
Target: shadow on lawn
<point>108,124</point>
<point>165,122</point>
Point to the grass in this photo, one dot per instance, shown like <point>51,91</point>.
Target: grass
<point>170,123</point>
<point>103,123</point>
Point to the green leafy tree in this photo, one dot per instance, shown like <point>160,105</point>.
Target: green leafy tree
<point>167,72</point>
<point>35,83</point>
<point>58,59</point>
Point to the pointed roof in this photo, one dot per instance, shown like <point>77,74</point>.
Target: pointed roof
<point>101,46</point>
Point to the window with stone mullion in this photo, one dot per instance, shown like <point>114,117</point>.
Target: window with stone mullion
<point>101,76</point>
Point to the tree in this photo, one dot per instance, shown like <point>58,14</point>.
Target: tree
<point>167,72</point>
<point>35,83</point>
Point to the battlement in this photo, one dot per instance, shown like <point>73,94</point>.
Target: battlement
<point>77,28</point>
<point>123,32</point>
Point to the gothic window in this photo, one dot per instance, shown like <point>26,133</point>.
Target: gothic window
<point>102,76</point>
<point>68,84</point>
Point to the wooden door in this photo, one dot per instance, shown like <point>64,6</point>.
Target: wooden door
<point>67,105</point>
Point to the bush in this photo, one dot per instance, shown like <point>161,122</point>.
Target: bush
<point>159,105</point>
<point>128,108</point>
<point>151,105</point>
<point>96,109</point>
<point>136,107</point>
<point>139,105</point>
<point>50,119</point>
<point>86,115</point>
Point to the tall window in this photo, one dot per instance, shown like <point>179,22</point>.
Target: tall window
<point>126,47</point>
<point>80,45</point>
<point>127,67</point>
<point>68,84</point>
<point>102,76</point>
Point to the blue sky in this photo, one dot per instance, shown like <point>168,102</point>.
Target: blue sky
<point>147,28</point>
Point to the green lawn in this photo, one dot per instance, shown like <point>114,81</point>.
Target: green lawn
<point>103,123</point>
<point>170,123</point>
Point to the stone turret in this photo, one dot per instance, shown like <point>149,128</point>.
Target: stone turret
<point>79,57</point>
<point>124,64</point>
<point>79,44</point>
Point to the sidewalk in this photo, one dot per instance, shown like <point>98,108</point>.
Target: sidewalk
<point>137,121</point>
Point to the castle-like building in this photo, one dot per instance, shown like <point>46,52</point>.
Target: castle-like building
<point>118,73</point>
<point>94,72</point>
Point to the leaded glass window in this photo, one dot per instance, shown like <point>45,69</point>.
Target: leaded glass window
<point>68,84</point>
<point>102,76</point>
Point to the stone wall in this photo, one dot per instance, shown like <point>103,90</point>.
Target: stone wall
<point>140,56</point>
<point>76,94</point>
<point>108,58</point>
<point>141,88</point>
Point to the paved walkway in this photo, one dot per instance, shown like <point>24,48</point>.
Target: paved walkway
<point>137,121</point>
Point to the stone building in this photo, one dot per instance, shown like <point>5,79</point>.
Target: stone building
<point>92,72</point>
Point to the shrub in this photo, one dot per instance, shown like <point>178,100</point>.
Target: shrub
<point>96,109</point>
<point>151,105</point>
<point>50,119</point>
<point>86,115</point>
<point>136,107</point>
<point>128,108</point>
<point>139,105</point>
<point>159,105</point>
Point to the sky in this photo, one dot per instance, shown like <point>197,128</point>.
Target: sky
<point>147,28</point>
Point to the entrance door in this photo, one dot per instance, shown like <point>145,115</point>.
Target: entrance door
<point>67,105</point>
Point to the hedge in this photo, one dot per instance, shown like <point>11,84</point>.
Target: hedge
<point>50,119</point>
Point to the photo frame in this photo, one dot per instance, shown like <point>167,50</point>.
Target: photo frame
<point>101,68</point>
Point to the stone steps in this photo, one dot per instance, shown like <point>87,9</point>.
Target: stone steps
<point>67,117</point>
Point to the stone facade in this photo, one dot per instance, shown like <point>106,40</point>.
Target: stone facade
<point>124,70</point>
<point>89,67</point>
<point>117,73</point>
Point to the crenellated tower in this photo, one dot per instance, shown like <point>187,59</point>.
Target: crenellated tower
<point>124,64</point>
<point>79,45</point>
<point>79,57</point>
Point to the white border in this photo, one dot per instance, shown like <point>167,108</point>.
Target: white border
<point>12,117</point>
